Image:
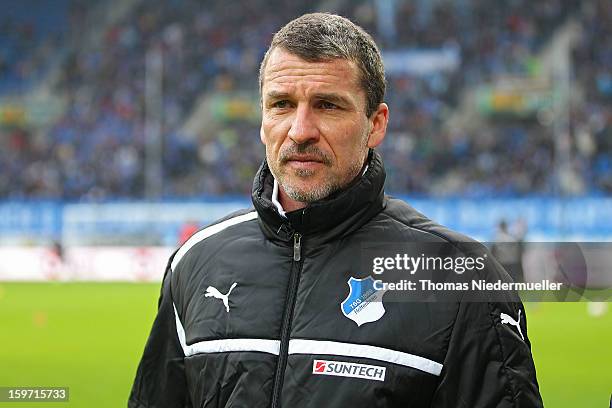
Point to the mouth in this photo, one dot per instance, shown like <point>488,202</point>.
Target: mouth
<point>304,162</point>
<point>304,159</point>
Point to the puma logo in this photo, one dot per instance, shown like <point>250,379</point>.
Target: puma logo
<point>505,319</point>
<point>214,292</point>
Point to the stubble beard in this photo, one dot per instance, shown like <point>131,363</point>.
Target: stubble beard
<point>333,183</point>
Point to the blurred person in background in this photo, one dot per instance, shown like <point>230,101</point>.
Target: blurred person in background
<point>508,250</point>
<point>252,312</point>
<point>187,230</point>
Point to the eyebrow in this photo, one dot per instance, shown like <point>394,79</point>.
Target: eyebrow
<point>277,95</point>
<point>334,98</point>
<point>330,97</point>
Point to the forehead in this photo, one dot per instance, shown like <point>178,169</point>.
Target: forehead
<point>289,72</point>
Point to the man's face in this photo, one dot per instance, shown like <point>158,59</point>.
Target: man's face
<point>314,124</point>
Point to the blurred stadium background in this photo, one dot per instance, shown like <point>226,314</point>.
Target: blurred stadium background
<point>126,125</point>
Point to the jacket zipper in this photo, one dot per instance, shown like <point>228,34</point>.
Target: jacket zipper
<point>296,269</point>
<point>297,247</point>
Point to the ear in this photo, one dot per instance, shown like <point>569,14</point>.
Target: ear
<point>379,121</point>
<point>262,136</point>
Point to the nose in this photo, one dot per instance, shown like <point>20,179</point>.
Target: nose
<point>303,126</point>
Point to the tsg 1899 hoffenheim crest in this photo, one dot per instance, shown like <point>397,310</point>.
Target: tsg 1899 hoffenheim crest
<point>364,303</point>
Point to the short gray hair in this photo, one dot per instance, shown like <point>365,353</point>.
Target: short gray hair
<point>322,36</point>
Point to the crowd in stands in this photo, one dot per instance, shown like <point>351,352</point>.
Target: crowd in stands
<point>29,41</point>
<point>592,117</point>
<point>96,150</point>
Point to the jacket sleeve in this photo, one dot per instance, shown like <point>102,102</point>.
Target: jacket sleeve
<point>488,363</point>
<point>160,379</point>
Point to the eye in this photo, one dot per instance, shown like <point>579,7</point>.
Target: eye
<point>282,104</point>
<point>327,105</point>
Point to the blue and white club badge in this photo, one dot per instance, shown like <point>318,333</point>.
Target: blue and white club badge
<point>363,303</point>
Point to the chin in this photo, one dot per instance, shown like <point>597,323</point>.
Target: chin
<point>309,192</point>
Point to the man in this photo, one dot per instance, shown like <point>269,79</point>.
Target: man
<point>508,250</point>
<point>253,310</point>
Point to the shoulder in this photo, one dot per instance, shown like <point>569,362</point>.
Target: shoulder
<point>406,217</point>
<point>219,232</point>
<point>416,227</point>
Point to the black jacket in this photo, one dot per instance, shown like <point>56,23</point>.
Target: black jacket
<point>281,338</point>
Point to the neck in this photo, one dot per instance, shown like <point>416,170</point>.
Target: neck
<point>287,202</point>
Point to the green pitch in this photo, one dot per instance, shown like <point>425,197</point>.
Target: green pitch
<point>89,337</point>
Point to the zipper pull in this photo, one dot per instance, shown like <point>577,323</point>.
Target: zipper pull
<point>297,247</point>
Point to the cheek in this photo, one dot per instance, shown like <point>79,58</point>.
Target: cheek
<point>273,132</point>
<point>349,143</point>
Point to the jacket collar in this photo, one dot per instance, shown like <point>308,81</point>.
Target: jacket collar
<point>337,215</point>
